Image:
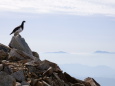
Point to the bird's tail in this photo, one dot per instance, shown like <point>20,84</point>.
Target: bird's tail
<point>11,33</point>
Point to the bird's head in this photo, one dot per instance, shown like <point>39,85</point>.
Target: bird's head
<point>23,21</point>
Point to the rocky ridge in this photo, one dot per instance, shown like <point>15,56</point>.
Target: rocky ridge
<point>20,66</point>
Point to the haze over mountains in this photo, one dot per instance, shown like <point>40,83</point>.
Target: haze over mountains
<point>85,65</point>
<point>103,74</point>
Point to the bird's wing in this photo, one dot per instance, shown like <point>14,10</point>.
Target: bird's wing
<point>15,29</point>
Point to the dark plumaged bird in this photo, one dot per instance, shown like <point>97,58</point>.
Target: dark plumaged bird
<point>18,29</point>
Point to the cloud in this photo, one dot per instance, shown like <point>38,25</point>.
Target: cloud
<point>104,52</point>
<point>76,7</point>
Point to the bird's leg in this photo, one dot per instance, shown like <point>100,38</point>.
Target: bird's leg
<point>19,35</point>
<point>15,34</point>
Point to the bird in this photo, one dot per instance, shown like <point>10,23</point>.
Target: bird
<point>18,29</point>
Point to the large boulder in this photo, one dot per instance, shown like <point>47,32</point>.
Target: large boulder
<point>72,79</point>
<point>4,48</point>
<point>16,55</point>
<point>8,69</point>
<point>3,55</point>
<point>19,76</point>
<point>1,67</point>
<point>19,43</point>
<point>35,54</point>
<point>45,64</point>
<point>92,81</point>
<point>6,80</point>
<point>24,83</point>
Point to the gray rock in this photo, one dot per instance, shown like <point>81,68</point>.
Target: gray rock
<point>1,67</point>
<point>8,69</point>
<point>92,81</point>
<point>19,75</point>
<point>56,76</point>
<point>48,72</point>
<point>18,84</point>
<point>56,82</point>
<point>31,68</point>
<point>72,79</point>
<point>48,80</point>
<point>24,83</point>
<point>45,83</point>
<point>35,54</point>
<point>17,55</point>
<point>3,55</point>
<point>78,84</point>
<point>39,83</point>
<point>6,80</point>
<point>34,82</point>
<point>19,43</point>
<point>45,64</point>
<point>4,48</point>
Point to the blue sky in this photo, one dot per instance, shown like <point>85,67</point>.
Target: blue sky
<point>62,32</point>
<point>78,27</point>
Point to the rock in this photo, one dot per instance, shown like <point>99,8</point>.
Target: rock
<point>4,48</point>
<point>66,84</point>
<point>19,76</point>
<point>44,65</point>
<point>48,72</point>
<point>56,82</point>
<point>3,55</point>
<point>24,83</point>
<point>92,81</point>
<point>34,82</point>
<point>6,80</point>
<point>18,84</point>
<point>78,84</point>
<point>24,61</point>
<point>19,43</point>
<point>48,80</point>
<point>39,83</point>
<point>72,79</point>
<point>8,69</point>
<point>31,68</point>
<point>17,55</point>
<point>1,67</point>
<point>35,54</point>
<point>4,61</point>
<point>62,77</point>
<point>45,83</point>
<point>56,76</point>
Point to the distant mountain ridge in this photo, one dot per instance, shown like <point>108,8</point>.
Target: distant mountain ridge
<point>104,52</point>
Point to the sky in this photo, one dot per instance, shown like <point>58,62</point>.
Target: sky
<point>77,27</point>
